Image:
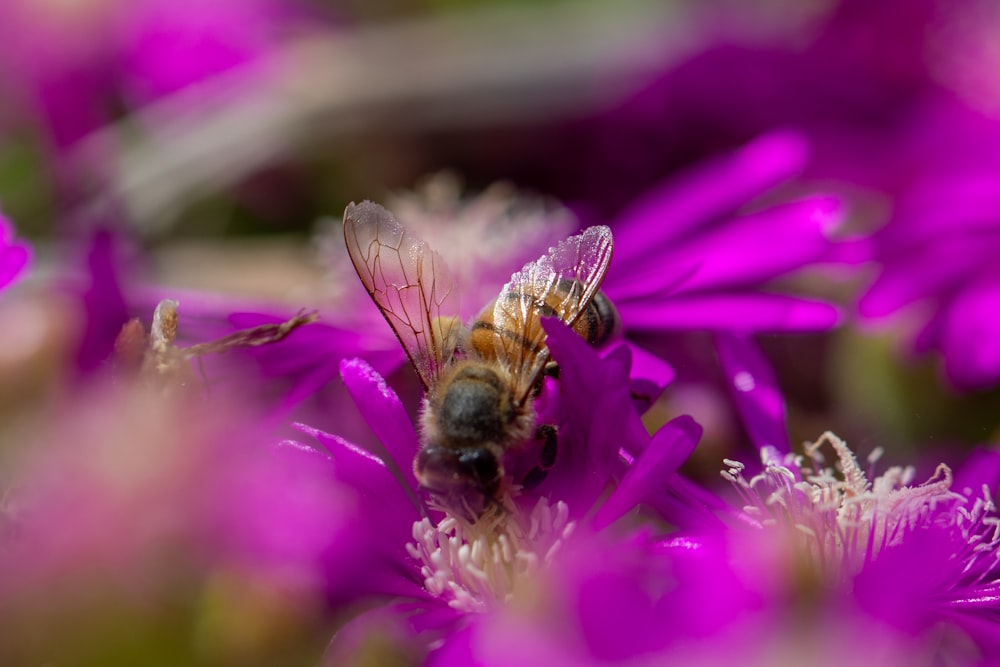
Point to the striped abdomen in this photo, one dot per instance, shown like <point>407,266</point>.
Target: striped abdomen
<point>597,324</point>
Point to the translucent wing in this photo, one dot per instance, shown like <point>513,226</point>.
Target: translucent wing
<point>410,284</point>
<point>558,284</point>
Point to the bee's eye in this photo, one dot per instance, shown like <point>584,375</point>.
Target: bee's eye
<point>481,464</point>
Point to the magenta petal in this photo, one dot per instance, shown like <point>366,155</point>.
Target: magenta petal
<point>13,259</point>
<point>762,313</point>
<point>746,250</point>
<point>687,505</point>
<point>365,472</point>
<point>384,413</point>
<point>765,245</point>
<point>949,203</point>
<point>293,516</point>
<point>716,188</point>
<point>599,417</point>
<point>901,586</point>
<point>981,468</point>
<point>929,336</point>
<point>104,302</point>
<point>648,366</point>
<point>755,390</point>
<point>971,336</point>
<point>379,501</point>
<point>669,448</point>
<point>650,376</point>
<point>916,273</point>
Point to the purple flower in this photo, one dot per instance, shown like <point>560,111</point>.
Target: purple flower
<point>134,522</point>
<point>70,64</point>
<point>673,601</point>
<point>297,379</point>
<point>936,252</point>
<point>459,571</point>
<point>687,259</point>
<point>914,557</point>
<point>910,558</point>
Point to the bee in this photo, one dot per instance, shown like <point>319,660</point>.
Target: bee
<point>480,381</point>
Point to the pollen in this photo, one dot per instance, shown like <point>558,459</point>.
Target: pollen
<point>845,516</point>
<point>475,567</point>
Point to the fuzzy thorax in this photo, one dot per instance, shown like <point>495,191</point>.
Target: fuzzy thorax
<point>473,404</point>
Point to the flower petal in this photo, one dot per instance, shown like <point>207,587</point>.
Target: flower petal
<point>14,256</point>
<point>364,472</point>
<point>970,336</point>
<point>924,272</point>
<point>381,515</point>
<point>104,302</point>
<point>598,421</point>
<point>765,245</point>
<point>384,413</point>
<point>759,313</point>
<point>669,448</point>
<point>980,468</point>
<point>716,188</point>
<point>755,390</point>
<point>650,375</point>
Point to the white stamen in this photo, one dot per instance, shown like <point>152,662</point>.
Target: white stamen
<point>475,566</point>
<point>846,519</point>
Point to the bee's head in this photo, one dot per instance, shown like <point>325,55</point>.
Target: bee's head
<point>465,480</point>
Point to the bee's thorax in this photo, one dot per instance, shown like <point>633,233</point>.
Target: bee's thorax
<point>474,405</point>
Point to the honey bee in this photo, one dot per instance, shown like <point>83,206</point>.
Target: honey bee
<point>480,381</point>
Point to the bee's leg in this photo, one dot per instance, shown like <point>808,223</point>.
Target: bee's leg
<point>549,435</point>
<point>550,447</point>
<point>551,369</point>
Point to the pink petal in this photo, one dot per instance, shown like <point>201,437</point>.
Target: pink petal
<point>757,312</point>
<point>384,413</point>
<point>713,189</point>
<point>755,389</point>
<point>669,448</point>
<point>970,338</point>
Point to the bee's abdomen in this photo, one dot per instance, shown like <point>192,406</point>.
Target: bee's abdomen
<point>600,322</point>
<point>597,324</point>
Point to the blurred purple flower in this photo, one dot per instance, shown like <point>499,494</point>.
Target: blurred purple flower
<point>125,506</point>
<point>673,601</point>
<point>936,252</point>
<point>915,557</point>
<point>295,379</point>
<point>697,254</point>
<point>72,64</point>
<point>687,259</point>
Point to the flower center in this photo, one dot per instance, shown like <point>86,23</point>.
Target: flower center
<point>844,516</point>
<point>475,566</point>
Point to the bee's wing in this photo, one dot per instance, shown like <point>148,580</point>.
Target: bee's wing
<point>558,284</point>
<point>410,283</point>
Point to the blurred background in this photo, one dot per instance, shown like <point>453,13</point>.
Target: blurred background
<point>221,140</point>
